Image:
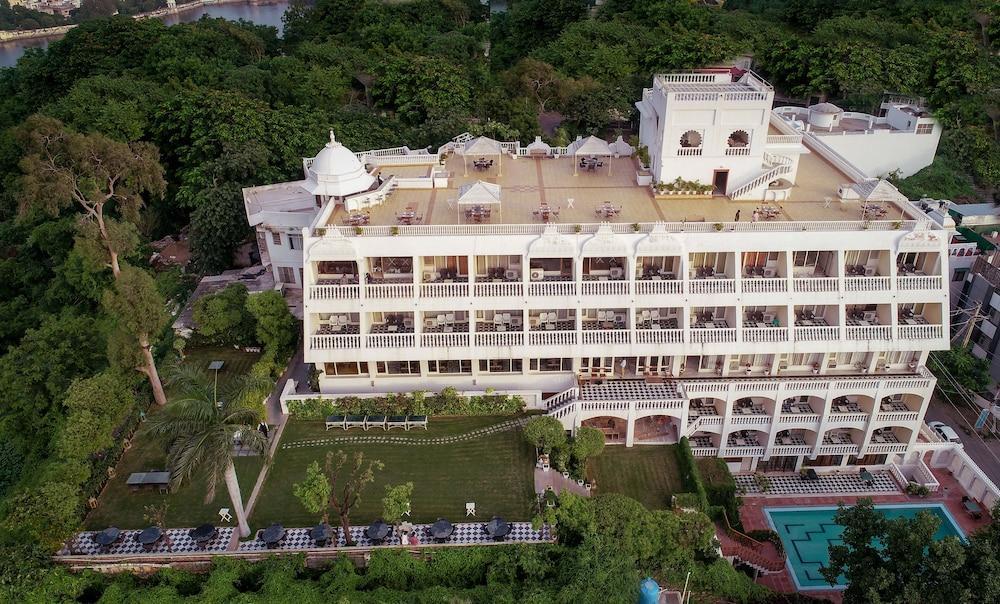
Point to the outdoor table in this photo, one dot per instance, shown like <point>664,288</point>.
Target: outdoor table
<point>203,534</point>
<point>108,536</point>
<point>272,535</point>
<point>441,530</point>
<point>377,532</point>
<point>149,537</point>
<point>497,528</point>
<point>972,508</point>
<point>321,534</point>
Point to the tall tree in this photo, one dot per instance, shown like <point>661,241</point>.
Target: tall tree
<point>138,308</point>
<point>347,481</point>
<point>201,428</point>
<point>103,177</point>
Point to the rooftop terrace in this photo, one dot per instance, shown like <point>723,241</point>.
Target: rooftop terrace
<point>528,183</point>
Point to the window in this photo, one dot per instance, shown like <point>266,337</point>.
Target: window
<point>691,138</point>
<point>449,366</point>
<point>925,128</point>
<point>500,365</point>
<point>276,238</point>
<point>295,242</point>
<point>959,274</point>
<point>398,367</point>
<point>286,274</point>
<point>805,258</point>
<point>738,139</point>
<point>349,368</point>
<point>552,364</point>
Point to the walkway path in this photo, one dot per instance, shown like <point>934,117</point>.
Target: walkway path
<point>558,482</point>
<point>506,426</point>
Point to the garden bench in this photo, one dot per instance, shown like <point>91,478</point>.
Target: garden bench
<point>336,421</point>
<point>396,421</point>
<point>375,421</point>
<point>416,420</point>
<point>354,421</point>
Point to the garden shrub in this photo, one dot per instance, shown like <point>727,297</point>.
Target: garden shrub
<point>447,402</point>
<point>689,472</point>
<point>687,500</point>
<point>767,535</point>
<point>720,487</point>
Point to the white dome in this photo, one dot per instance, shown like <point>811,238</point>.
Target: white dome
<point>335,171</point>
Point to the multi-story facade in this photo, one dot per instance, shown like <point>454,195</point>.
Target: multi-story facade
<point>795,331</point>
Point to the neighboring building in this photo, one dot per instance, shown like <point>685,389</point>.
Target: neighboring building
<point>798,334</point>
<point>901,139</point>
<point>981,292</point>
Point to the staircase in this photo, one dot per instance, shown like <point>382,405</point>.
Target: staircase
<point>774,166</point>
<point>563,404</point>
<point>748,550</point>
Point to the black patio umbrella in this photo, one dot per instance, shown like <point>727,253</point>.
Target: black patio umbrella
<point>108,536</point>
<point>321,533</point>
<point>442,529</point>
<point>497,528</point>
<point>272,535</point>
<point>378,531</point>
<point>203,534</point>
<point>149,536</point>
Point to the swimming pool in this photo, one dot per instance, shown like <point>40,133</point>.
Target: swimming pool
<point>808,532</point>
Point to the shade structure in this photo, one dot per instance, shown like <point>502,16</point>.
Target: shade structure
<point>479,193</point>
<point>590,147</point>
<point>377,531</point>
<point>482,146</point>
<point>497,528</point>
<point>321,533</point>
<point>442,529</point>
<point>272,534</point>
<point>107,536</point>
<point>205,532</point>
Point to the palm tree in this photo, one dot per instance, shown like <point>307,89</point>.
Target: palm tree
<point>201,427</point>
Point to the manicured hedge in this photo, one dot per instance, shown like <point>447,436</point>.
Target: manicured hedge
<point>689,472</point>
<point>447,402</point>
<point>720,487</point>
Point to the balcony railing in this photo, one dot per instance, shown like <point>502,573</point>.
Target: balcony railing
<point>552,288</point>
<point>846,418</point>
<point>875,448</point>
<point>390,340</point>
<point>866,284</point>
<point>912,283</point>
<point>776,285</point>
<point>687,151</point>
<point>869,332</point>
<point>712,286</point>
<point>791,450</point>
<point>817,334</point>
<point>444,290</point>
<point>815,284</point>
<point>799,418</point>
<point>648,287</point>
<point>741,151</point>
<point>334,342</point>
<point>441,340</point>
<point>713,336</point>
<point>605,288</point>
<point>500,338</point>
<point>750,420</point>
<point>920,332</point>
<point>551,338</point>
<point>744,451</point>
<point>333,292</point>
<point>765,334</point>
<point>499,288</point>
<point>389,290</point>
<point>850,449</point>
<point>897,416</point>
<point>705,451</point>
<point>606,336</point>
<point>659,336</point>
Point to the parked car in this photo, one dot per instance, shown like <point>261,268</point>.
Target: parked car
<point>945,431</point>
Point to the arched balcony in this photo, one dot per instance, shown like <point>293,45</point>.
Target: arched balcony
<point>615,429</point>
<point>657,429</point>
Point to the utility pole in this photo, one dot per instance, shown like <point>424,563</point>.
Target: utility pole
<point>971,324</point>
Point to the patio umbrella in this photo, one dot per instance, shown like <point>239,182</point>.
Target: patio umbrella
<point>107,536</point>
<point>497,528</point>
<point>442,529</point>
<point>203,533</point>
<point>378,531</point>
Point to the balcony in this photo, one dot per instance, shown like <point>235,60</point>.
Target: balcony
<point>704,445</point>
<point>498,288</point>
<point>334,342</point>
<point>812,328</point>
<point>389,291</point>
<point>444,340</point>
<point>743,444</point>
<point>657,275</point>
<point>857,330</point>
<point>815,284</point>
<point>604,277</point>
<point>862,275</point>
<point>444,283</point>
<point>838,443</point>
<point>551,277</point>
<point>717,284</point>
<point>846,411</point>
<point>920,332</point>
<point>896,411</point>
<point>709,273</point>
<point>764,326</point>
<point>712,331</point>
<point>788,442</point>
<point>500,338</point>
<point>604,287</point>
<point>547,329</point>
<point>334,292</point>
<point>390,340</point>
<point>799,413</point>
<point>919,283</point>
<point>552,286</point>
<point>885,441</point>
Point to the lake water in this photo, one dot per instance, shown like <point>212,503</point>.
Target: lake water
<point>261,14</point>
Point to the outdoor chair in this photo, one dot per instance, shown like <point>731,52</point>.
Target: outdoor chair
<point>225,515</point>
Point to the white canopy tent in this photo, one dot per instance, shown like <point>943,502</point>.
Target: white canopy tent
<point>591,147</point>
<point>479,193</point>
<point>482,146</point>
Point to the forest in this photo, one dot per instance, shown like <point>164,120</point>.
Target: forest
<point>185,116</point>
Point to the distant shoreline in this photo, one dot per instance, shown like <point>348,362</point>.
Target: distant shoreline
<point>57,32</point>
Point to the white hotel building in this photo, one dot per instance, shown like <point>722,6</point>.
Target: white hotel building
<point>796,335</point>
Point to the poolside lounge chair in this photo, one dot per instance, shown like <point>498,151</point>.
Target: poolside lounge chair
<point>416,420</point>
<point>335,421</point>
<point>354,421</point>
<point>396,421</point>
<point>375,421</point>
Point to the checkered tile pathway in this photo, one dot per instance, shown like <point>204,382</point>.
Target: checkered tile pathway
<point>828,484</point>
<point>628,390</point>
<point>181,543</point>
<point>465,533</point>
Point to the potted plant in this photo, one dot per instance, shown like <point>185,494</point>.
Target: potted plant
<point>394,231</point>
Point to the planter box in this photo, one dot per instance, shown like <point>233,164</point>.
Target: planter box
<point>643,179</point>
<point>681,195</point>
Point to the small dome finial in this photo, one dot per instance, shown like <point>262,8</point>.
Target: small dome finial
<point>333,139</point>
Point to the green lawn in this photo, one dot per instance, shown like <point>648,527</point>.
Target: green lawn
<point>120,507</point>
<point>494,471</point>
<point>645,473</point>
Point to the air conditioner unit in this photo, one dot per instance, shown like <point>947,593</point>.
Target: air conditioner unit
<point>537,274</point>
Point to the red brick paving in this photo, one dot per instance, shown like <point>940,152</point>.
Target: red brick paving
<point>752,514</point>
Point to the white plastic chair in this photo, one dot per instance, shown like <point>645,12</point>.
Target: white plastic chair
<point>225,515</point>
<point>470,508</point>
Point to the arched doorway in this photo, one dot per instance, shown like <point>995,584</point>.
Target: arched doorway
<point>615,429</point>
<point>657,429</point>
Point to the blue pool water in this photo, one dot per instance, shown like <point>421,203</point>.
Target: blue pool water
<point>808,532</point>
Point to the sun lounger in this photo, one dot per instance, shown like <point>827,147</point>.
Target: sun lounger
<point>354,421</point>
<point>336,421</point>
<point>375,421</point>
<point>415,421</point>
<point>396,421</point>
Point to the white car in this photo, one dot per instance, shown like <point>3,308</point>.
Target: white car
<point>945,431</point>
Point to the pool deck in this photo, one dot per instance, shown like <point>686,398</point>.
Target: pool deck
<point>753,517</point>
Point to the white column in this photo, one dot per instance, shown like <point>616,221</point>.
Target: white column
<point>630,428</point>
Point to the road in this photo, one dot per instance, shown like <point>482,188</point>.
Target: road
<point>986,453</point>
